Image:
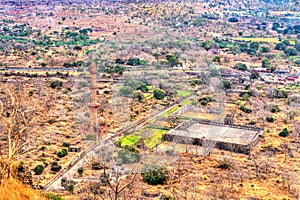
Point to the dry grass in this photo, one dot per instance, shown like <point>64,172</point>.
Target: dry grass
<point>12,189</point>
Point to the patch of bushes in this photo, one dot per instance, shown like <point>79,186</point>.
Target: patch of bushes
<point>38,169</point>
<point>274,108</point>
<point>205,100</point>
<point>245,109</point>
<point>55,167</point>
<point>53,197</point>
<point>154,174</point>
<point>55,84</point>
<point>62,153</point>
<point>96,166</point>
<point>284,132</point>
<point>68,184</point>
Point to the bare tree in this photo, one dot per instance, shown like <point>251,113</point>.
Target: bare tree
<point>257,161</point>
<point>291,178</point>
<point>17,116</point>
<point>118,181</point>
<point>208,146</point>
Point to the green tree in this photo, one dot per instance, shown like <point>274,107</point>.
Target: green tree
<point>143,88</point>
<point>290,52</point>
<point>275,26</point>
<point>55,167</point>
<point>265,63</point>
<point>241,66</point>
<point>126,156</point>
<point>173,60</point>
<point>226,84</point>
<point>126,91</point>
<point>284,132</point>
<point>38,169</point>
<point>80,171</point>
<point>138,96</point>
<point>254,45</point>
<point>280,46</point>
<point>265,49</point>
<point>159,94</point>
<point>154,174</point>
<point>217,59</point>
<point>62,153</point>
<point>286,43</point>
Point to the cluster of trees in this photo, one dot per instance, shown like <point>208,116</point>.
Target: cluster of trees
<point>135,89</point>
<point>133,61</point>
<point>115,70</point>
<point>288,49</point>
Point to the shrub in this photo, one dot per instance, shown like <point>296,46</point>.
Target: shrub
<point>96,166</point>
<point>241,66</point>
<point>290,52</point>
<point>159,94</point>
<point>38,169</point>
<point>270,119</point>
<point>55,84</point>
<point>245,109</point>
<point>252,122</point>
<point>225,163</point>
<point>274,108</point>
<point>66,144</point>
<point>55,167</point>
<point>53,197</point>
<point>133,61</point>
<point>233,19</point>
<point>154,174</point>
<point>80,171</point>
<point>226,84</point>
<point>68,184</point>
<point>265,63</point>
<point>51,121</point>
<point>138,96</point>
<point>62,153</point>
<point>284,132</point>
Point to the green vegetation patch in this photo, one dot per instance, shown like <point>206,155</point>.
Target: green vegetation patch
<point>130,140</point>
<point>169,112</point>
<point>155,138</point>
<point>183,93</point>
<point>187,102</point>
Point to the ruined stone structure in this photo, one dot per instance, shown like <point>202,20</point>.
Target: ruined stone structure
<point>228,119</point>
<point>232,137</point>
<point>95,125</point>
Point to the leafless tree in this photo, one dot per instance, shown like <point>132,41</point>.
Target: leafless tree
<point>257,161</point>
<point>17,117</point>
<point>119,181</point>
<point>208,146</point>
<point>291,178</point>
